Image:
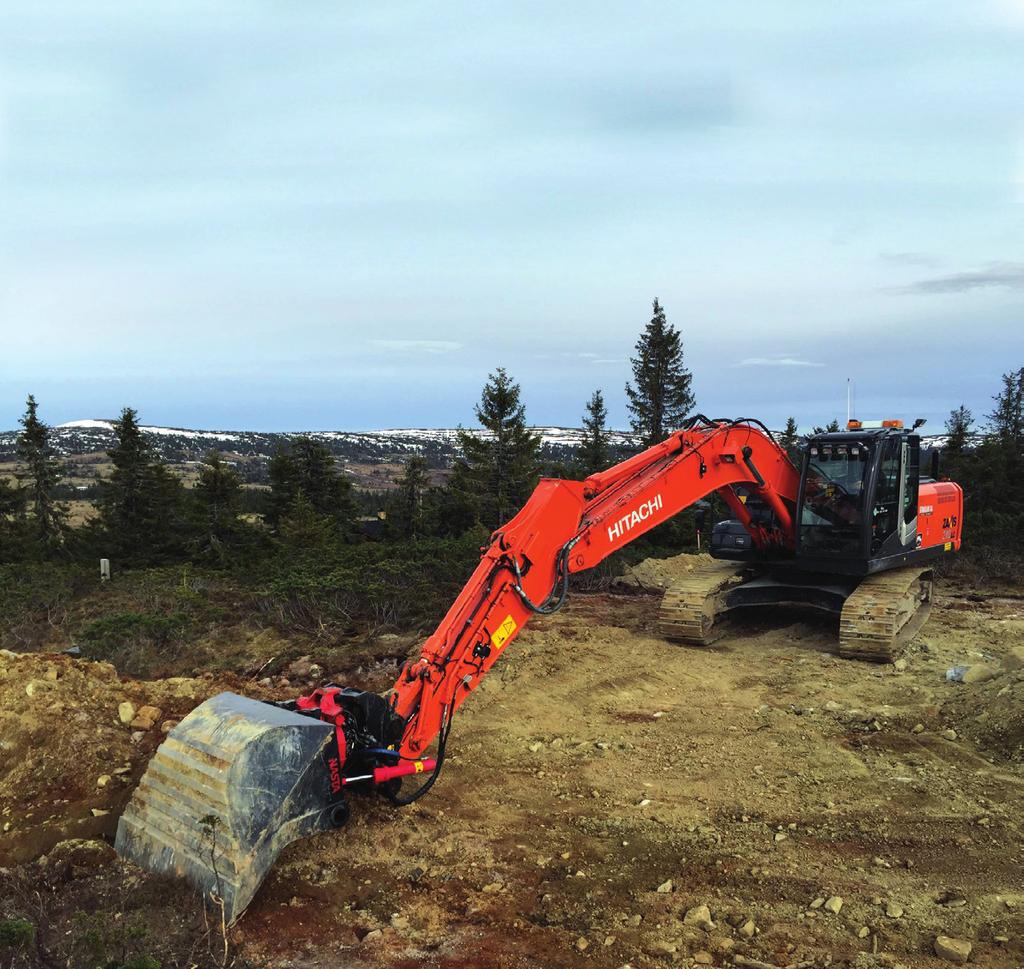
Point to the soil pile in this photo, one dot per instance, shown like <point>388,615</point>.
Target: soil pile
<point>72,744</point>
<point>656,575</point>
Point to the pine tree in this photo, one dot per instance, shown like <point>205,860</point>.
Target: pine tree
<point>662,396</point>
<point>790,440</point>
<point>594,451</point>
<point>42,474</point>
<point>218,496</point>
<point>141,507</point>
<point>832,427</point>
<point>412,489</point>
<point>496,473</point>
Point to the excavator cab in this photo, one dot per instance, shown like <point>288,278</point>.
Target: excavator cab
<point>858,499</point>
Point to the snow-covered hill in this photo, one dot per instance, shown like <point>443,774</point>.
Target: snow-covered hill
<point>185,444</point>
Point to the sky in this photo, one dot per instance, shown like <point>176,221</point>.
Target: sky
<point>311,216</point>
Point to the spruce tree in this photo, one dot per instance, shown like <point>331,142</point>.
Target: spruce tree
<point>283,475</point>
<point>1007,418</point>
<point>42,474</point>
<point>218,496</point>
<point>15,540</point>
<point>958,429</point>
<point>790,440</point>
<point>141,507</point>
<point>307,468</point>
<point>660,397</point>
<point>594,450</point>
<point>497,472</point>
<point>412,489</point>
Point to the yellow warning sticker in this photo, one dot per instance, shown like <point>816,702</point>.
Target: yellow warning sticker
<point>418,765</point>
<point>949,546</point>
<point>504,632</point>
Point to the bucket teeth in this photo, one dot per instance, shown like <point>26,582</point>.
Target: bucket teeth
<point>234,783</point>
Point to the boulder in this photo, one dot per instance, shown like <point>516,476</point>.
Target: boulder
<point>952,950</point>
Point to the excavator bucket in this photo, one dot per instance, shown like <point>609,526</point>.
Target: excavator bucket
<point>234,783</point>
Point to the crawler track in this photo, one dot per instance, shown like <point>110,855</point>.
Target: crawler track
<point>689,608</point>
<point>884,614</point>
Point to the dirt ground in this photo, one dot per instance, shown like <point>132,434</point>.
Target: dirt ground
<point>603,785</point>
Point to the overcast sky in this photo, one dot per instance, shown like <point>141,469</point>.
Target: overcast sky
<point>323,215</point>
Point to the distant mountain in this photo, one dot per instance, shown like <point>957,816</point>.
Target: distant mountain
<point>178,444</point>
<point>438,445</point>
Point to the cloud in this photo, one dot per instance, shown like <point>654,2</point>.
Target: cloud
<point>418,346</point>
<point>777,362</point>
<point>1006,275</point>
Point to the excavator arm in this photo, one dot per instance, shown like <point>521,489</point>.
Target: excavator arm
<point>238,779</point>
<point>570,526</point>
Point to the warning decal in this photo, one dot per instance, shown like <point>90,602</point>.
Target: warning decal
<point>504,631</point>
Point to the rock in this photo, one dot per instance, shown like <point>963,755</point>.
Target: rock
<point>301,667</point>
<point>779,836</point>
<point>7,654</point>
<point>918,728</point>
<point>535,746</point>
<point>863,932</point>
<point>1013,660</point>
<point>832,706</point>
<point>582,944</point>
<point>952,950</point>
<point>979,673</point>
<point>894,910</point>
<point>51,673</point>
<point>900,665</point>
<point>103,780</point>
<point>82,853</point>
<point>316,672</point>
<point>146,717</point>
<point>699,915</point>
<point>703,958</point>
<point>168,725</point>
<point>137,736</point>
<point>817,903</point>
<point>373,935</point>
<point>949,734</point>
<point>747,929</point>
<point>126,712</point>
<point>665,887</point>
<point>834,904</point>
<point>99,812</point>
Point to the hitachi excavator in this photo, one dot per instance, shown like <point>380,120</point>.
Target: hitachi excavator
<point>855,531</point>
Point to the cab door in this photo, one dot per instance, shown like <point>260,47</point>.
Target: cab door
<point>911,461</point>
<point>885,512</point>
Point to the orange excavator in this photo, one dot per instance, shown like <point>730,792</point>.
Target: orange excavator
<point>854,531</point>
